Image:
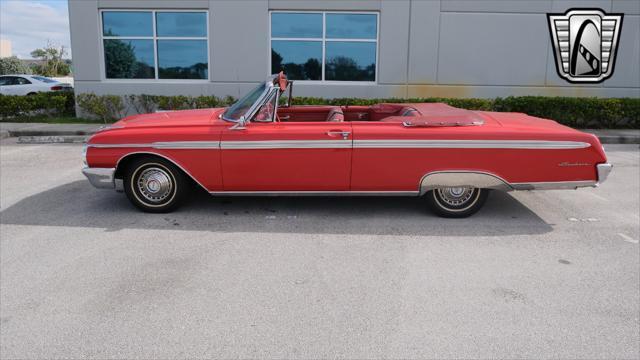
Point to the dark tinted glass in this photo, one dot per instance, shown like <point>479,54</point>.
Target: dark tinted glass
<point>297,25</point>
<point>182,59</point>
<point>300,60</point>
<point>185,24</point>
<point>127,23</point>
<point>44,79</point>
<point>5,80</point>
<point>352,26</point>
<point>350,61</point>
<point>129,59</point>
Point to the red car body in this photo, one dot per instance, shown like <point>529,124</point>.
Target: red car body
<point>386,149</point>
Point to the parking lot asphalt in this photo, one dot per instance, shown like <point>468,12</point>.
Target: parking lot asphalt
<point>533,275</point>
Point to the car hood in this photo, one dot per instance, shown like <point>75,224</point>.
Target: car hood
<point>171,118</point>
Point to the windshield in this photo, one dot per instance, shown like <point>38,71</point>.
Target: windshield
<point>235,111</point>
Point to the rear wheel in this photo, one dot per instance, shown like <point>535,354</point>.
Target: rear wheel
<point>456,202</point>
<point>155,185</point>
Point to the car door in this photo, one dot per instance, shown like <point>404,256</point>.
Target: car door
<point>16,85</point>
<point>8,85</point>
<point>385,160</point>
<point>287,157</point>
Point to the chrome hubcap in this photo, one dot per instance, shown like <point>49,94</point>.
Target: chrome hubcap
<point>155,184</point>
<point>455,196</point>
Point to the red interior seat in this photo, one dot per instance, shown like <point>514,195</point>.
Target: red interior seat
<point>406,111</point>
<point>335,115</point>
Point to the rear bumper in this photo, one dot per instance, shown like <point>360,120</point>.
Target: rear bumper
<point>603,171</point>
<point>101,178</point>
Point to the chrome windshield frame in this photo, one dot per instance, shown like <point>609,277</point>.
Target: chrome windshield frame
<point>257,104</point>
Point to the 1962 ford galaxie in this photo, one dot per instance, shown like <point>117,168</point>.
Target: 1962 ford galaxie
<point>264,146</point>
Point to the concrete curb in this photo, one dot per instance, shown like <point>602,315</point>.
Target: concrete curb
<point>612,139</point>
<point>53,139</point>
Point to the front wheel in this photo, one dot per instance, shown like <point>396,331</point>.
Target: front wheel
<point>456,202</point>
<point>154,185</point>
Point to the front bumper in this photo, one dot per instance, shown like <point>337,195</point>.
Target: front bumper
<point>603,171</point>
<point>101,178</point>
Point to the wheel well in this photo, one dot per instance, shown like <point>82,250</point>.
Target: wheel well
<point>125,161</point>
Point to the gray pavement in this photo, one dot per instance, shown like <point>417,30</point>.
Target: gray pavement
<point>533,275</point>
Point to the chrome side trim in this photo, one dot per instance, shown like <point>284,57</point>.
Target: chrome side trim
<point>477,179</point>
<point>357,144</point>
<point>471,144</point>
<point>314,193</point>
<point>557,185</point>
<point>186,145</point>
<point>164,157</point>
<point>603,171</point>
<point>109,146</point>
<point>286,144</point>
<point>487,180</point>
<point>101,178</point>
<point>164,145</point>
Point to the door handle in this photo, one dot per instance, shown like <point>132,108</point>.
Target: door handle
<point>334,133</point>
<point>285,117</point>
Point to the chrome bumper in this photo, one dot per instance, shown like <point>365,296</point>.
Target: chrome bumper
<point>102,178</point>
<point>603,171</point>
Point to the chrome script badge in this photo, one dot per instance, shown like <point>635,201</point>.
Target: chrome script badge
<point>585,42</point>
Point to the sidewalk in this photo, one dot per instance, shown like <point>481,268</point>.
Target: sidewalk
<point>46,133</point>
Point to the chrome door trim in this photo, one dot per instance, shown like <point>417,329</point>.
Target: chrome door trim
<point>286,144</point>
<point>187,145</point>
<point>470,144</point>
<point>314,193</point>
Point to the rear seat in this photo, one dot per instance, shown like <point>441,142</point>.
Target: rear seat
<point>335,115</point>
<point>406,111</point>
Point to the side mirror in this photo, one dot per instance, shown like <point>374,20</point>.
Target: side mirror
<point>240,125</point>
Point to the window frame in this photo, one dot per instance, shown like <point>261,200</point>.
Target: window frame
<point>155,38</point>
<point>324,41</point>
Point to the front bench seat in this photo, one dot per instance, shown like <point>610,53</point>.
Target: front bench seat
<point>335,115</point>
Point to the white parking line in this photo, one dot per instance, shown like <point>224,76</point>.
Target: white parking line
<point>627,238</point>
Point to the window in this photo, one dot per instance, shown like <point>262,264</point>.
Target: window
<point>324,45</point>
<point>44,79</point>
<point>155,44</point>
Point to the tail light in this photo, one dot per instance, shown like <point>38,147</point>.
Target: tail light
<point>57,87</point>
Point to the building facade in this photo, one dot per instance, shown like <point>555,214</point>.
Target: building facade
<point>333,48</point>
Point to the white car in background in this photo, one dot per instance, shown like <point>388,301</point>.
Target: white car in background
<point>29,84</point>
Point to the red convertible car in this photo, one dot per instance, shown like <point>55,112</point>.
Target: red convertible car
<point>264,146</point>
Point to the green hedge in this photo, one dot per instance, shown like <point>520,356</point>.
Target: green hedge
<point>40,104</point>
<point>620,113</point>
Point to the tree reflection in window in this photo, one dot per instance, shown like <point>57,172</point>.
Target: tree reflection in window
<point>129,59</point>
<point>344,43</point>
<point>309,70</point>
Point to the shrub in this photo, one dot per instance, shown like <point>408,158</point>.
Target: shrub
<point>104,107</point>
<point>575,112</point>
<point>13,65</point>
<point>47,104</point>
